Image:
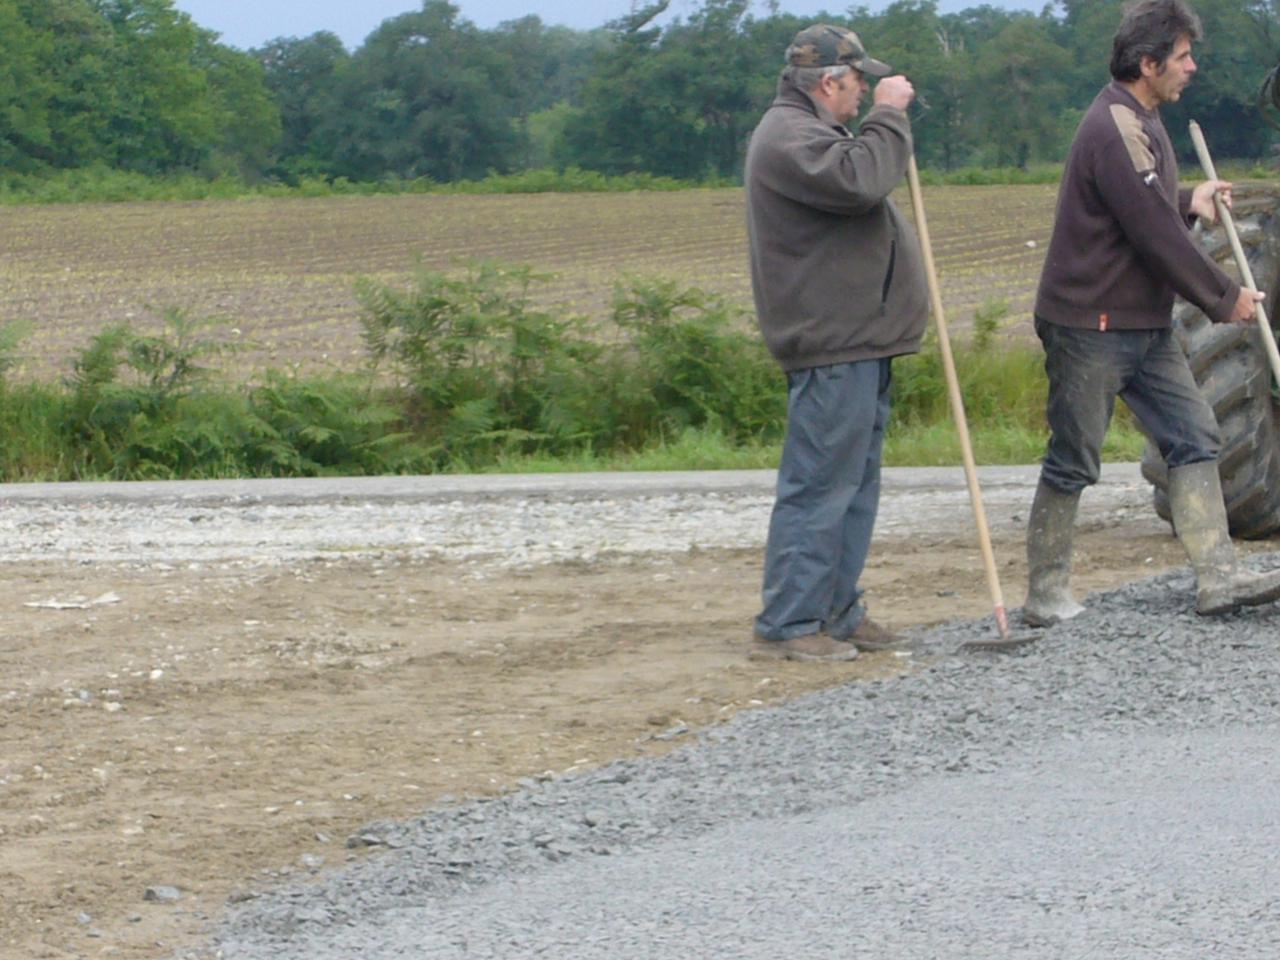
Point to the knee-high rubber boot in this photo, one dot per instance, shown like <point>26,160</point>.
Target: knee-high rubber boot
<point>1200,518</point>
<point>1049,537</point>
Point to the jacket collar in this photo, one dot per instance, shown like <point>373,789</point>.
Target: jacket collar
<point>789,95</point>
<point>1118,89</point>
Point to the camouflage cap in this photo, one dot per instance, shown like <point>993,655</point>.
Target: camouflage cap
<point>823,45</point>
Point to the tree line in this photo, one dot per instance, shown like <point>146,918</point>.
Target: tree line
<point>136,85</point>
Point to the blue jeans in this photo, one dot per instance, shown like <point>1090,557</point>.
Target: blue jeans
<point>828,494</point>
<point>1088,369</point>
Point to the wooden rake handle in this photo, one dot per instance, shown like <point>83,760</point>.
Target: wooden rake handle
<point>957,401</point>
<point>1246,272</point>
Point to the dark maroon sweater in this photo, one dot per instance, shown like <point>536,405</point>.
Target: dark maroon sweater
<point>1121,244</point>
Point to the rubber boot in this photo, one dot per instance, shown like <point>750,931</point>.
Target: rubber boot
<point>1200,519</point>
<point>1049,536</point>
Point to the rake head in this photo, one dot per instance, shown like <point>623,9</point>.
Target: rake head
<point>1004,642</point>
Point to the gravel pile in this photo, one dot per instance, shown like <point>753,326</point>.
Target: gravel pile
<point>1109,792</point>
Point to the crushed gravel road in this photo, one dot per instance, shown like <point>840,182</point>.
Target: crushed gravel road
<point>1108,792</point>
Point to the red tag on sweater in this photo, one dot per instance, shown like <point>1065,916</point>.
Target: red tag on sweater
<point>1102,322</point>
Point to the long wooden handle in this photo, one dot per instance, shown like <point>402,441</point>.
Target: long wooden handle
<point>1246,272</point>
<point>957,401</point>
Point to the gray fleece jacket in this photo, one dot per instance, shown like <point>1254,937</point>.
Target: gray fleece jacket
<point>835,268</point>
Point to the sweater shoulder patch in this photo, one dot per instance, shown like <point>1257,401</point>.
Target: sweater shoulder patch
<point>1136,141</point>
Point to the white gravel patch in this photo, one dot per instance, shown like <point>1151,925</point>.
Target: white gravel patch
<point>482,522</point>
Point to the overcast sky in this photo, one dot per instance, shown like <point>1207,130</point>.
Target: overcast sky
<point>250,23</point>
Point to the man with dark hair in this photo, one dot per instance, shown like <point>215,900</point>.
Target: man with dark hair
<point>839,291</point>
<point>1121,248</point>
<point>1151,31</point>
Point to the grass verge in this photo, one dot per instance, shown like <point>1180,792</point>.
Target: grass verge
<point>466,374</point>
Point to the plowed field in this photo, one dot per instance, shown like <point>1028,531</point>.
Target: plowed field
<point>282,272</point>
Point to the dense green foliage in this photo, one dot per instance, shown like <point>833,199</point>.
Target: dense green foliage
<point>130,85</point>
<point>466,374</point>
<point>485,373</point>
<point>136,86</point>
<point>679,97</point>
<point>102,185</point>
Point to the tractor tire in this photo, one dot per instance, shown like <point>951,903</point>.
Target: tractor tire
<point>1230,364</point>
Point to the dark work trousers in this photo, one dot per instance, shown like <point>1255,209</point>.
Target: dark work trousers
<point>828,493</point>
<point>1088,369</point>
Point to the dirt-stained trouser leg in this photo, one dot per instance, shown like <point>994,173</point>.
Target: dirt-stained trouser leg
<point>1049,540</point>
<point>1086,370</point>
<point>1200,519</point>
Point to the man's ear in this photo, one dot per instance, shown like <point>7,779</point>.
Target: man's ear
<point>1150,66</point>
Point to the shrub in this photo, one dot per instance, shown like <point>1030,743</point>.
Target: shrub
<point>696,368</point>
<point>131,412</point>
<point>486,370</point>
<point>1001,387</point>
<point>332,426</point>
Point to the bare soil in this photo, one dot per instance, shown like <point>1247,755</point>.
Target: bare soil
<point>223,730</point>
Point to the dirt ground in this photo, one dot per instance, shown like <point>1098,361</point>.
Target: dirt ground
<point>224,730</point>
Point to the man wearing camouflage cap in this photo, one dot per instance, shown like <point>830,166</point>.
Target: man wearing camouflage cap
<point>839,291</point>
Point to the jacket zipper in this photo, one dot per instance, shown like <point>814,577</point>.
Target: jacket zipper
<point>888,276</point>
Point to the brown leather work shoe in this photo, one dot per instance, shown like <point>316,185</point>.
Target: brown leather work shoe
<point>811,646</point>
<point>870,637</point>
